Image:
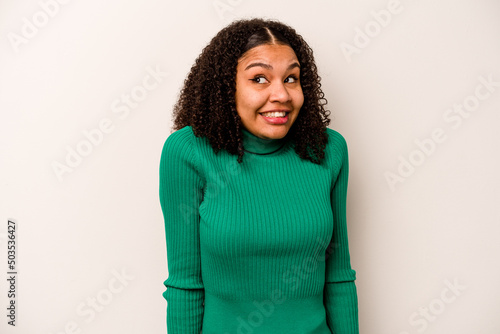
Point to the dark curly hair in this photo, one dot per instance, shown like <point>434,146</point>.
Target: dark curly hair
<point>207,100</point>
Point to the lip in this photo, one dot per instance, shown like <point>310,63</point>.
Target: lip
<point>285,110</point>
<point>276,120</point>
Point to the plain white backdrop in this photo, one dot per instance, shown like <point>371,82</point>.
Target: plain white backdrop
<point>86,96</point>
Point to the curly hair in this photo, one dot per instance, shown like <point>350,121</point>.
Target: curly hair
<point>207,100</point>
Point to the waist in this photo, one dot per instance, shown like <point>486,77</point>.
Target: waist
<point>274,313</point>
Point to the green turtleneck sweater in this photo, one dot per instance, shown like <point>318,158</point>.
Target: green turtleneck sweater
<point>256,247</point>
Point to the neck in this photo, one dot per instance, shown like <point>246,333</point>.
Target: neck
<point>257,145</point>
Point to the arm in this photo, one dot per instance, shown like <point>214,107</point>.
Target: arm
<point>180,196</point>
<point>340,295</point>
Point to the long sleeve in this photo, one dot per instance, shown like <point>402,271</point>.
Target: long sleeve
<point>180,196</point>
<point>340,295</point>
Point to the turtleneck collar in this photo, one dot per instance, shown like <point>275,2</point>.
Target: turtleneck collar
<point>257,145</point>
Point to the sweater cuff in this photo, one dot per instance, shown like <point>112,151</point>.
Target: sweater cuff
<point>185,310</point>
<point>341,304</point>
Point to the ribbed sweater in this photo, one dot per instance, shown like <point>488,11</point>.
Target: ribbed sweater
<point>257,247</point>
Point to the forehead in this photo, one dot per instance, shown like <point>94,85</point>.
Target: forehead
<point>269,53</point>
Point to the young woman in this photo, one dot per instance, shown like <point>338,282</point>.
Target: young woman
<point>253,191</point>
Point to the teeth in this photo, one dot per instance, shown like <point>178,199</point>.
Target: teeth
<point>274,114</point>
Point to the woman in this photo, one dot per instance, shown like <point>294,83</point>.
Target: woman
<point>253,190</point>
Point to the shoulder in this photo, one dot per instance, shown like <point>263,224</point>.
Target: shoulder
<point>336,155</point>
<point>179,138</point>
<point>335,138</point>
<point>179,146</point>
<point>337,145</point>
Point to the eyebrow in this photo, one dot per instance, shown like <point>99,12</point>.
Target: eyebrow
<point>269,67</point>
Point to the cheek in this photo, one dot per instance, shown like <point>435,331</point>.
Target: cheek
<point>244,106</point>
<point>250,101</point>
<point>299,99</point>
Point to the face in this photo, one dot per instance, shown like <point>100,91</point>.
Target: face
<point>268,91</point>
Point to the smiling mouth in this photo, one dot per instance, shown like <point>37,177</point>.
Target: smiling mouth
<point>275,117</point>
<point>275,114</point>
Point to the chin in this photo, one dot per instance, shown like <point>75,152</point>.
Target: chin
<point>275,133</point>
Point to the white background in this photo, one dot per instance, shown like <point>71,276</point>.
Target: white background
<point>438,223</point>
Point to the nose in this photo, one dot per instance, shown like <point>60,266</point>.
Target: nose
<point>279,92</point>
